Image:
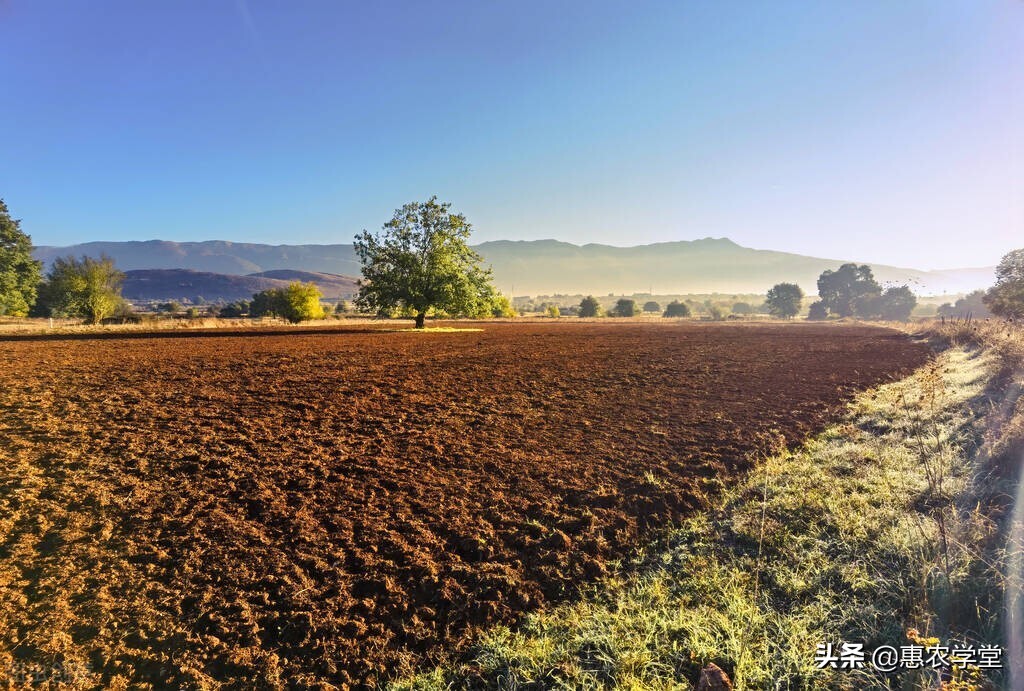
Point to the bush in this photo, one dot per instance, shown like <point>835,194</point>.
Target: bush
<point>553,311</point>
<point>676,309</point>
<point>652,306</point>
<point>818,311</point>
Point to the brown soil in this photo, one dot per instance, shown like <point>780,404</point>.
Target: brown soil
<point>303,509</point>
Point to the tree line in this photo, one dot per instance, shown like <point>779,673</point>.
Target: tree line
<point>420,264</point>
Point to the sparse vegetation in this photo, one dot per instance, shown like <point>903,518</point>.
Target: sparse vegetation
<point>880,530</point>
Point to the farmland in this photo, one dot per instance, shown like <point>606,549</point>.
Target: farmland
<point>335,506</point>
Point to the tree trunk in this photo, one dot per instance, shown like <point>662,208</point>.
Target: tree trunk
<point>420,318</point>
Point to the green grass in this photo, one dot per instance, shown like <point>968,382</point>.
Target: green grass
<point>871,528</point>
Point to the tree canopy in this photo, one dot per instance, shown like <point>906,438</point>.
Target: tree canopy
<point>784,300</point>
<point>839,290</point>
<point>589,307</point>
<point>298,302</point>
<point>421,261</point>
<point>1006,297</point>
<point>19,272</point>
<point>87,287</point>
<point>676,309</point>
<point>625,307</point>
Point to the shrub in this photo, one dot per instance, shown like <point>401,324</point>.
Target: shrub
<point>652,306</point>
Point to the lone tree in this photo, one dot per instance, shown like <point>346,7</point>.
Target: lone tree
<point>652,306</point>
<point>625,308</point>
<point>421,261</point>
<point>19,272</point>
<point>676,309</point>
<point>1006,297</point>
<point>589,307</point>
<point>87,287</point>
<point>841,289</point>
<point>783,300</point>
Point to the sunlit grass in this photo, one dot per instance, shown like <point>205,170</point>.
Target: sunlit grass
<point>870,529</point>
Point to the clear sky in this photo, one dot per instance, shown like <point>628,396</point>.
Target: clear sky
<point>880,131</point>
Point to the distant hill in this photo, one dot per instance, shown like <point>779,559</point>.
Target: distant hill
<point>542,267</point>
<point>185,285</point>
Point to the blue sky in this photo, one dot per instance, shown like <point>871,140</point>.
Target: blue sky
<point>880,131</point>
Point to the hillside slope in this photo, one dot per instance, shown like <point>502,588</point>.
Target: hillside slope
<point>543,266</point>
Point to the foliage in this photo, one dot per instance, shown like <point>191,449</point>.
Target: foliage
<point>171,307</point>
<point>87,287</point>
<point>589,307</point>
<point>818,311</point>
<point>499,306</point>
<point>784,300</point>
<point>895,304</point>
<point>19,272</point>
<point>298,302</point>
<point>970,305</point>
<point>235,309</point>
<point>625,308</point>
<point>839,290</point>
<point>421,261</point>
<point>676,309</point>
<point>342,307</point>
<point>652,306</point>
<point>1006,297</point>
<point>742,308</point>
<point>553,311</point>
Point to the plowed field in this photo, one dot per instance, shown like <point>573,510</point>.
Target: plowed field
<point>307,508</point>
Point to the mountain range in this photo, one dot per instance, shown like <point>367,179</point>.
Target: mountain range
<point>536,267</point>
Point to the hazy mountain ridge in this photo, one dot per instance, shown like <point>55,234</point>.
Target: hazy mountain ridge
<point>144,285</point>
<point>538,267</point>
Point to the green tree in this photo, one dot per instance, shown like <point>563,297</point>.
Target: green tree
<point>88,288</point>
<point>298,302</point>
<point>839,290</point>
<point>895,304</point>
<point>742,308</point>
<point>553,311</point>
<point>420,262</point>
<point>625,307</point>
<point>784,299</point>
<point>676,309</point>
<point>589,307</point>
<point>652,306</point>
<point>1006,297</point>
<point>19,272</point>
